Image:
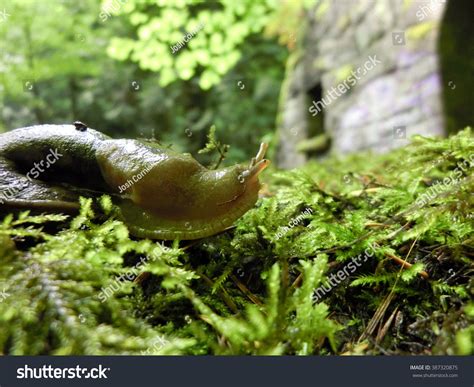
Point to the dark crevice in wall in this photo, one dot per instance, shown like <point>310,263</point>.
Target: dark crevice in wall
<point>456,48</point>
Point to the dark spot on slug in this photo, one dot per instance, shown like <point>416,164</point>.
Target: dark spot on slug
<point>80,126</point>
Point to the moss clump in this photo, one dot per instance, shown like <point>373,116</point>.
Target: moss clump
<point>84,286</point>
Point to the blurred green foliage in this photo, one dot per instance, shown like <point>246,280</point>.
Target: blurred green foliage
<point>220,29</point>
<point>111,66</point>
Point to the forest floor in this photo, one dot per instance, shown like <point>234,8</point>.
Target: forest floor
<point>368,254</point>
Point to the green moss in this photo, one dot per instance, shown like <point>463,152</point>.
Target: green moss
<point>251,290</point>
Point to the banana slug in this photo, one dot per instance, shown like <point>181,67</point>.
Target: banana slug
<point>161,194</point>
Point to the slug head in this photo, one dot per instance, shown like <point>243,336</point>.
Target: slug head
<point>240,183</point>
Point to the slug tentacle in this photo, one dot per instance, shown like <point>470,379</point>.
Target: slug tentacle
<point>161,194</point>
<point>259,167</point>
<point>261,152</point>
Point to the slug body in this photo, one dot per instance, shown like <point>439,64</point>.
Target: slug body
<point>161,194</point>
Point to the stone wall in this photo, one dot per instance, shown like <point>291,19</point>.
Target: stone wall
<point>377,108</point>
